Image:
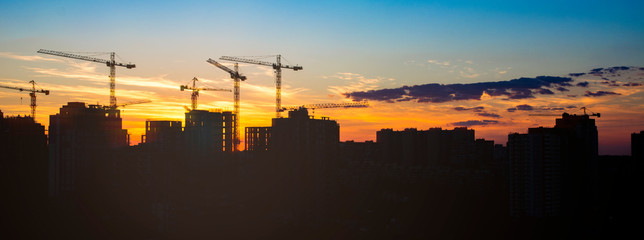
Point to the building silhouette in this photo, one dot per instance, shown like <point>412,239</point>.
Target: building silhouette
<point>296,179</point>
<point>23,177</point>
<point>637,146</point>
<point>209,132</point>
<point>23,174</point>
<point>305,150</point>
<point>535,162</point>
<point>552,171</point>
<point>81,139</point>
<point>303,138</point>
<point>433,147</point>
<point>257,138</point>
<point>164,133</point>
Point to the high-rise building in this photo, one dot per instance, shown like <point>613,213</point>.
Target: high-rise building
<point>553,171</point>
<point>637,146</point>
<point>209,131</point>
<point>163,133</point>
<point>257,138</point>
<point>428,147</point>
<point>302,138</point>
<point>23,176</point>
<point>23,161</point>
<point>305,150</point>
<point>81,139</point>
<point>535,165</point>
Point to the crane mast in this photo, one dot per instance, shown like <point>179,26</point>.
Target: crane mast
<point>32,95</point>
<point>236,76</point>
<point>111,63</point>
<point>277,67</point>
<point>195,91</point>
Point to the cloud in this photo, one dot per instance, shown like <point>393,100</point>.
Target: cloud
<point>631,84</point>
<point>355,82</point>
<point>439,63</point>
<point>469,72</point>
<point>545,91</point>
<point>526,107</point>
<point>600,93</point>
<point>28,58</point>
<point>576,74</point>
<point>475,109</point>
<point>614,71</point>
<point>611,83</point>
<point>479,111</point>
<point>436,93</point>
<point>487,114</point>
<point>470,123</point>
<point>562,89</point>
<point>89,74</point>
<point>582,84</point>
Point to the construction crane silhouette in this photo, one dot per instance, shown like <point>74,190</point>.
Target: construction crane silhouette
<point>592,114</point>
<point>277,67</point>
<point>133,103</point>
<point>362,104</point>
<point>32,94</point>
<point>556,115</point>
<point>195,91</point>
<point>110,63</point>
<point>237,77</point>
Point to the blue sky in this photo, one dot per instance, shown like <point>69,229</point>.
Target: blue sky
<point>342,45</point>
<point>534,35</point>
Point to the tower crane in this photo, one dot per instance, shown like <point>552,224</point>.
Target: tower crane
<point>133,102</point>
<point>236,76</point>
<point>592,114</point>
<point>110,63</point>
<point>362,104</point>
<point>277,67</point>
<point>556,115</point>
<point>195,91</point>
<point>32,94</point>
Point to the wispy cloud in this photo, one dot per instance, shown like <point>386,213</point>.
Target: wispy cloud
<point>31,58</point>
<point>600,93</point>
<point>470,123</point>
<point>478,111</point>
<point>439,63</point>
<point>354,82</point>
<point>469,72</point>
<point>88,73</point>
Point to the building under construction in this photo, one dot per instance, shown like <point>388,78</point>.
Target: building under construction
<point>257,138</point>
<point>81,138</point>
<point>210,131</point>
<point>162,133</point>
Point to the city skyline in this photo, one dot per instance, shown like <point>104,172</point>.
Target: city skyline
<point>354,48</point>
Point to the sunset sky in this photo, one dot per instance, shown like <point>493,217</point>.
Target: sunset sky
<point>420,64</point>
